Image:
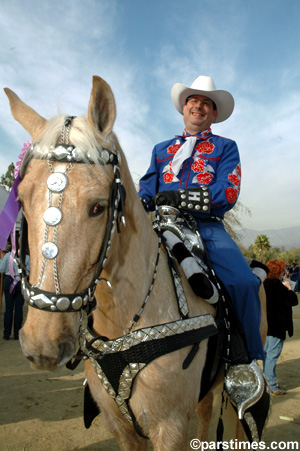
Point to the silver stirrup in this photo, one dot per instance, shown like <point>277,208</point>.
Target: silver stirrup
<point>245,385</point>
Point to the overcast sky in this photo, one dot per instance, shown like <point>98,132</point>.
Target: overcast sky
<point>50,49</point>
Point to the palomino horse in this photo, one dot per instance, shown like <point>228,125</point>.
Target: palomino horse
<point>71,195</point>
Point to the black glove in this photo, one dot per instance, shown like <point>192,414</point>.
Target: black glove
<point>148,205</point>
<point>193,199</point>
<point>170,198</point>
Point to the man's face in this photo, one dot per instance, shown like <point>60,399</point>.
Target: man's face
<point>198,114</point>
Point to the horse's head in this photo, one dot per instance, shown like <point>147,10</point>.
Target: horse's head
<point>66,193</point>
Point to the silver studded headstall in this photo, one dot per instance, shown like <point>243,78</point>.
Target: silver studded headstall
<point>57,183</point>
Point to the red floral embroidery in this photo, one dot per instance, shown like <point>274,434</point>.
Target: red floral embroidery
<point>238,170</point>
<point>234,179</point>
<point>173,148</point>
<point>231,195</point>
<point>168,177</point>
<point>205,147</point>
<point>205,178</point>
<point>198,165</point>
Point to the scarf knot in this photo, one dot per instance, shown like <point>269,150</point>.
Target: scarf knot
<point>183,153</point>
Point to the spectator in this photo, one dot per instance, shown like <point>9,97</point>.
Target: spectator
<point>14,301</point>
<point>280,300</point>
<point>294,276</point>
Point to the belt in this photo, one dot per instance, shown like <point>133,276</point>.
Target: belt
<point>211,219</point>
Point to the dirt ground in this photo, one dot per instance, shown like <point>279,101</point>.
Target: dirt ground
<point>43,411</point>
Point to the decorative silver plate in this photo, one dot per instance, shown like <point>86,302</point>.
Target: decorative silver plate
<point>52,216</point>
<point>57,182</point>
<point>49,250</point>
<point>63,303</point>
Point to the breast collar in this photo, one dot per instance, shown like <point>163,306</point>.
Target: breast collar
<point>117,362</point>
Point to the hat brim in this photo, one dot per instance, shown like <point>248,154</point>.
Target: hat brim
<point>223,100</point>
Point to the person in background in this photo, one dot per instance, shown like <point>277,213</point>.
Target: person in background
<point>14,301</point>
<point>294,276</point>
<point>280,300</point>
<point>200,172</point>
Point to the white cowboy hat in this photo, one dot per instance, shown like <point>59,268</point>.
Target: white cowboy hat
<point>204,86</point>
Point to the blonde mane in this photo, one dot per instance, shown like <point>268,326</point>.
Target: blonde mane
<point>89,142</point>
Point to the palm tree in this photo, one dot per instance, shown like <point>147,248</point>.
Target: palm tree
<point>261,245</point>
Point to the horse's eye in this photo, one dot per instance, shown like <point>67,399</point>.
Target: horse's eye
<point>97,209</point>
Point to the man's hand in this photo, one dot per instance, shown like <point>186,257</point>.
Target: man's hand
<point>170,198</point>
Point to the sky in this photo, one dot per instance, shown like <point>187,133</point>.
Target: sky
<point>50,50</point>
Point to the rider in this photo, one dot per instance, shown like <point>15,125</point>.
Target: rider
<point>200,172</point>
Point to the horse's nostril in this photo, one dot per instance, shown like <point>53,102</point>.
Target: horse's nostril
<point>67,350</point>
<point>49,358</point>
<point>30,358</point>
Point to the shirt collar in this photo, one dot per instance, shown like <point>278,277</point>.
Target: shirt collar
<point>202,135</point>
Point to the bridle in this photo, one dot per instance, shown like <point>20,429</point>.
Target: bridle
<point>67,153</point>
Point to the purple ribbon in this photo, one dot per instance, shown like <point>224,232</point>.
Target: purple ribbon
<point>13,251</point>
<point>9,213</point>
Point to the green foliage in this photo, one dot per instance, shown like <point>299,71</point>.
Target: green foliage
<point>262,250</point>
<point>293,255</point>
<point>7,179</point>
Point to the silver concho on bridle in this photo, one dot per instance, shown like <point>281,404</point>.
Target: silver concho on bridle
<point>57,183</point>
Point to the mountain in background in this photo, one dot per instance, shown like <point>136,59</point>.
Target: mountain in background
<point>288,237</point>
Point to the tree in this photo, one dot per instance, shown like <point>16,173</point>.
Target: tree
<point>232,221</point>
<point>7,179</point>
<point>262,247</point>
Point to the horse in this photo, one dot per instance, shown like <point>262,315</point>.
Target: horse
<point>89,235</point>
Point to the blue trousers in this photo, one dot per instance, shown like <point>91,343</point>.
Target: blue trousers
<point>242,285</point>
<point>13,315</point>
<point>273,348</point>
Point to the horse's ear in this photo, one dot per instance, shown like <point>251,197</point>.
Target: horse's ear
<point>102,106</point>
<point>28,118</point>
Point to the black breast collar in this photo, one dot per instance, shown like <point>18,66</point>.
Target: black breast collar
<point>117,362</point>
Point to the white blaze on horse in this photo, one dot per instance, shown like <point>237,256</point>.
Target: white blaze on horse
<point>75,179</point>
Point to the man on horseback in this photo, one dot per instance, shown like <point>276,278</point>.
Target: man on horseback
<point>200,172</point>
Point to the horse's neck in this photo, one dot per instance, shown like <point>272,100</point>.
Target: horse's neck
<point>129,269</point>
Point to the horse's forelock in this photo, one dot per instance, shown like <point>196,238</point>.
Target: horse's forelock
<point>81,135</point>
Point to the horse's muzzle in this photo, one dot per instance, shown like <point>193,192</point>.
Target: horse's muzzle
<point>47,357</point>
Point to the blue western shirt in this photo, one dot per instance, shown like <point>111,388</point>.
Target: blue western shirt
<point>214,162</point>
